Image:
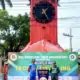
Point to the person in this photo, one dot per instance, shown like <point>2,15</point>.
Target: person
<point>32,69</point>
<point>79,60</point>
<point>43,66</point>
<point>54,71</point>
<point>5,70</point>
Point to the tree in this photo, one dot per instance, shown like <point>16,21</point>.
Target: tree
<point>3,3</point>
<point>14,32</point>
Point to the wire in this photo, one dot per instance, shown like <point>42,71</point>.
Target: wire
<point>76,38</point>
<point>26,2</point>
<point>73,17</point>
<point>74,2</point>
<point>68,27</point>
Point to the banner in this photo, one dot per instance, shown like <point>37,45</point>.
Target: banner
<point>66,61</point>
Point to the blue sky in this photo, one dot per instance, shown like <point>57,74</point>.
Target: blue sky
<point>69,17</point>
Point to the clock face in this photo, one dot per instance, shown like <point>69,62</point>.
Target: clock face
<point>43,12</point>
<point>43,78</point>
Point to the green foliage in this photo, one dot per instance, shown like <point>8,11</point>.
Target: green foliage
<point>3,19</point>
<point>14,31</point>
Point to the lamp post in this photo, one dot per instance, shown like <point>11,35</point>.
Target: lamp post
<point>70,37</point>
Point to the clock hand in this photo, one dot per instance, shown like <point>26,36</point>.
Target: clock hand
<point>46,9</point>
<point>44,12</point>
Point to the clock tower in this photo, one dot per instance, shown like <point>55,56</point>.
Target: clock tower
<point>43,27</point>
<point>43,21</point>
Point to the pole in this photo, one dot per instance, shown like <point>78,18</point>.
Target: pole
<point>70,39</point>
